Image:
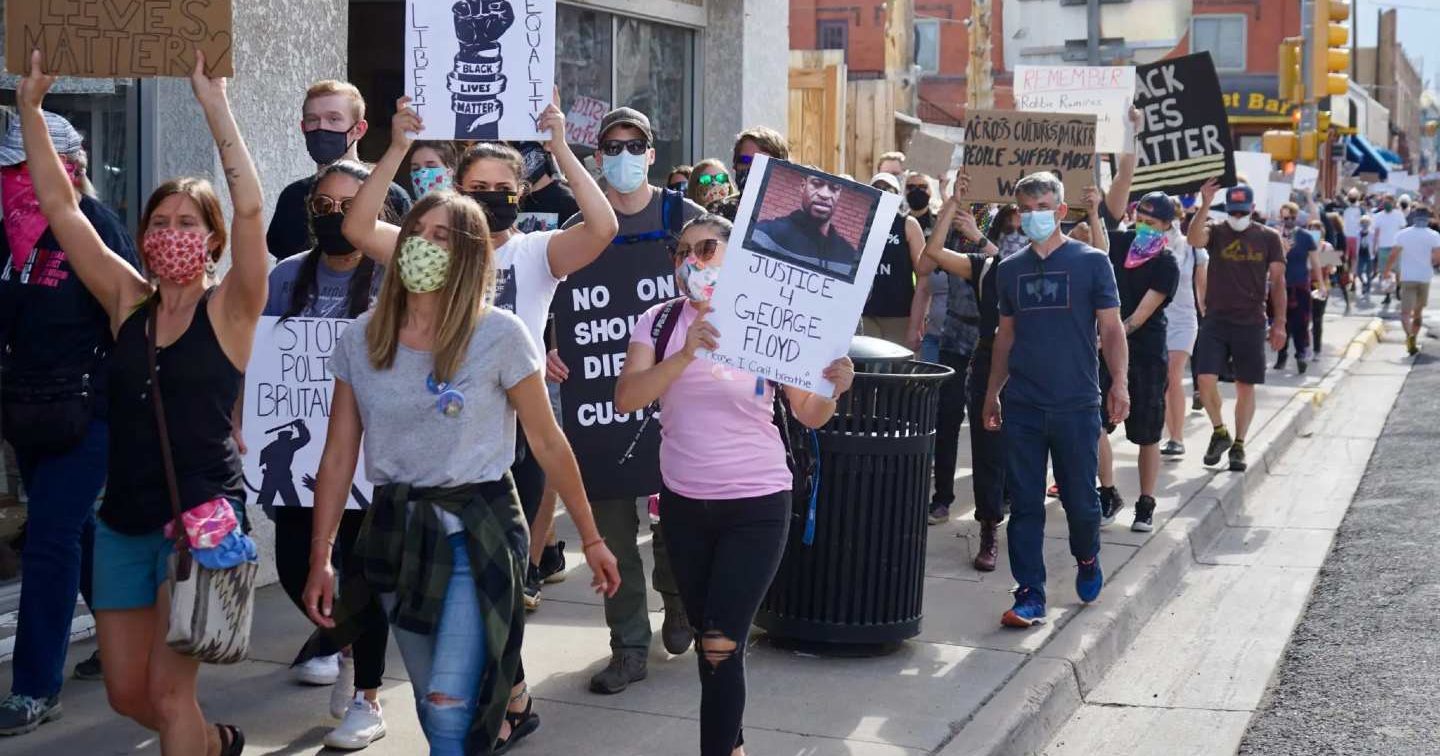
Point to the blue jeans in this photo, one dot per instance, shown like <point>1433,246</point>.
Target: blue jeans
<point>930,349</point>
<point>62,489</point>
<point>1069,440</point>
<point>447,664</point>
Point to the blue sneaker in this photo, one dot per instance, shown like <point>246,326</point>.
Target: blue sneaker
<point>1029,609</point>
<point>1088,579</point>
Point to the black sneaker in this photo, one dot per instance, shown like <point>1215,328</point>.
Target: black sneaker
<point>90,668</point>
<point>1172,449</point>
<point>1144,515</point>
<point>1110,504</point>
<point>1280,361</point>
<point>532,589</point>
<point>1300,366</point>
<point>1195,404</point>
<point>22,714</point>
<point>1220,442</point>
<point>552,563</point>
<point>1237,458</point>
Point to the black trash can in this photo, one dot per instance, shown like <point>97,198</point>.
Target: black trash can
<point>861,580</point>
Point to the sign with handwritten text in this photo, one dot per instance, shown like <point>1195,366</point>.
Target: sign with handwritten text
<point>1102,91</point>
<point>480,69</point>
<point>1004,146</point>
<point>582,123</point>
<point>119,38</point>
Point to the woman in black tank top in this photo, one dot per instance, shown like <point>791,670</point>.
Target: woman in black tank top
<point>204,333</point>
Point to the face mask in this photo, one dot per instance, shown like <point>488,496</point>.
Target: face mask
<point>174,255</point>
<point>1012,242</point>
<point>424,265</point>
<point>1239,224</point>
<point>1314,235</point>
<point>24,223</point>
<point>680,186</point>
<point>429,179</point>
<point>1388,206</point>
<point>1288,223</point>
<point>537,161</point>
<point>327,234</point>
<point>1038,225</point>
<point>917,198</point>
<point>325,146</point>
<point>1147,244</point>
<point>740,175</point>
<point>625,172</point>
<point>500,208</point>
<point>699,280</point>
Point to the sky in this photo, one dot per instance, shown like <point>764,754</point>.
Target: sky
<point>1419,27</point>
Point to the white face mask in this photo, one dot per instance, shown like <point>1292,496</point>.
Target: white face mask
<point>1239,224</point>
<point>625,172</point>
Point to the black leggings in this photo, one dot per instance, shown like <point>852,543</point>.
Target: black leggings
<point>724,554</point>
<point>293,530</point>
<point>950,416</point>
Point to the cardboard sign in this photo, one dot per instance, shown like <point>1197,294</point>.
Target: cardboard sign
<point>1102,91</point>
<point>1305,178</point>
<point>1184,130</point>
<point>1004,146</point>
<point>932,155</point>
<point>480,69</point>
<point>582,123</point>
<point>288,387</point>
<point>119,38</point>
<point>790,293</point>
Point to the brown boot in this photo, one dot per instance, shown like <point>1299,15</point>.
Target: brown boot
<point>985,557</point>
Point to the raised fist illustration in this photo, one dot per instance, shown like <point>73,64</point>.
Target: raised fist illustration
<point>481,22</point>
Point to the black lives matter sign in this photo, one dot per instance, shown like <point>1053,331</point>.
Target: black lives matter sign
<point>1184,136</point>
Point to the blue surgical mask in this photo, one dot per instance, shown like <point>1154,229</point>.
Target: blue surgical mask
<point>1039,225</point>
<point>625,172</point>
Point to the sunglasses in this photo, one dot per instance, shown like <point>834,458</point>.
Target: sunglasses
<point>745,160</point>
<point>717,179</point>
<point>704,251</point>
<point>323,205</point>
<point>448,401</point>
<point>613,147</point>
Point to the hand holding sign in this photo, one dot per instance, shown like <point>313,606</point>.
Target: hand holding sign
<point>405,124</point>
<point>701,334</point>
<point>34,86</point>
<point>208,90</point>
<point>841,374</point>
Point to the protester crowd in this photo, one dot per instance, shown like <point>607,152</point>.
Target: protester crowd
<point>1062,317</point>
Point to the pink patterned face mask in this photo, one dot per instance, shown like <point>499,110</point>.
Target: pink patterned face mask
<point>175,255</point>
<point>24,224</point>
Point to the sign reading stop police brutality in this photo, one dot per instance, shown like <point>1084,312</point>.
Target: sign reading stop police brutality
<point>288,387</point>
<point>790,292</point>
<point>1184,133</point>
<point>480,69</point>
<point>1004,146</point>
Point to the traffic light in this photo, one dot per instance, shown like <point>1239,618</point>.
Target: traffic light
<point>1329,57</point>
<point>1309,146</point>
<point>1282,145</point>
<point>1290,75</point>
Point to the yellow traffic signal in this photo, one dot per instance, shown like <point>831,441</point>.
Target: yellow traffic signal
<point>1309,146</point>
<point>1323,121</point>
<point>1282,145</point>
<point>1329,58</point>
<point>1290,75</point>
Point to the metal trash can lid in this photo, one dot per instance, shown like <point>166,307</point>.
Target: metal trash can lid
<point>870,350</point>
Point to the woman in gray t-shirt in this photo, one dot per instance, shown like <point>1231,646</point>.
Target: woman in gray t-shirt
<point>431,381</point>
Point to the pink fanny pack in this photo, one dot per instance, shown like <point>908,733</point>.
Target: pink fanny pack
<point>206,525</point>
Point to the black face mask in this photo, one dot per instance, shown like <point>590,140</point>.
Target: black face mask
<point>917,198</point>
<point>537,161</point>
<point>501,208</point>
<point>326,147</point>
<point>327,234</point>
<point>740,175</point>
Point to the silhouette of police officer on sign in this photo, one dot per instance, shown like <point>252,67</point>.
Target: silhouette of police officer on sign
<point>276,460</point>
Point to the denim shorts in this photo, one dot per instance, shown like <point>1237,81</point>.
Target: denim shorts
<point>129,569</point>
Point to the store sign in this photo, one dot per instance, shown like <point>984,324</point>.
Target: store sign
<point>1253,97</point>
<point>119,38</point>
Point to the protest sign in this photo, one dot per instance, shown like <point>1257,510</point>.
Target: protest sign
<point>1184,130</point>
<point>288,387</point>
<point>582,123</point>
<point>1105,92</point>
<point>1004,146</point>
<point>1277,193</point>
<point>790,292</point>
<point>1254,168</point>
<point>1305,178</point>
<point>480,69</point>
<point>594,311</point>
<point>932,155</point>
<point>119,38</point>
<point>1405,182</point>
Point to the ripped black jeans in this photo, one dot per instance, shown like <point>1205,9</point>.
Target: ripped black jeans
<point>724,553</point>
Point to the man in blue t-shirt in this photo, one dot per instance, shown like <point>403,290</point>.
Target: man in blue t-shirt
<point>1054,296</point>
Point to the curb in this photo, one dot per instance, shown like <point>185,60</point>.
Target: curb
<point>1031,707</point>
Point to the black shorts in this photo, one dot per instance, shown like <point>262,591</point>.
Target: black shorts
<point>1220,344</point>
<point>1148,378</point>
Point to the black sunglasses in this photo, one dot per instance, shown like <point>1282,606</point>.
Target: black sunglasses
<point>612,147</point>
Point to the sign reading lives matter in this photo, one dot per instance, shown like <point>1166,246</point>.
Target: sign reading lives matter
<point>1004,146</point>
<point>287,411</point>
<point>790,293</point>
<point>1184,130</point>
<point>1102,91</point>
<point>119,38</point>
<point>480,69</point>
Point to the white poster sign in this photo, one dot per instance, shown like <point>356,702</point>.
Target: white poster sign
<point>288,387</point>
<point>1105,92</point>
<point>1405,182</point>
<point>480,69</point>
<point>1254,168</point>
<point>1305,178</point>
<point>1276,195</point>
<point>797,272</point>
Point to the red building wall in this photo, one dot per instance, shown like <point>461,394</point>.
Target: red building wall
<point>1269,22</point>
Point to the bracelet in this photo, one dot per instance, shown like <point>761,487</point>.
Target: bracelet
<point>597,542</point>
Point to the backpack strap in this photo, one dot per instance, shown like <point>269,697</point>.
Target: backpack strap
<point>672,218</point>
<point>664,325</point>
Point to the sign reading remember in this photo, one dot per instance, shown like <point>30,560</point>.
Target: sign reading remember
<point>119,38</point>
<point>1105,92</point>
<point>1004,146</point>
<point>1185,131</point>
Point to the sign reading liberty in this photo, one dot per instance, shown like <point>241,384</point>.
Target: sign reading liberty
<point>477,80</point>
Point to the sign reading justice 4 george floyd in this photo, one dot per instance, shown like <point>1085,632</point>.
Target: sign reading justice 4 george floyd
<point>1184,133</point>
<point>118,38</point>
<point>1004,146</point>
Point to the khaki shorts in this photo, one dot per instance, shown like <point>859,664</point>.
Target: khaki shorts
<point>1414,295</point>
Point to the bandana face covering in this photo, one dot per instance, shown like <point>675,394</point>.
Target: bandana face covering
<point>24,224</point>
<point>174,255</point>
<point>424,265</point>
<point>699,280</point>
<point>1148,243</point>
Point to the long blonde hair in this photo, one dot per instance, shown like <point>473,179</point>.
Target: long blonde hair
<point>467,292</point>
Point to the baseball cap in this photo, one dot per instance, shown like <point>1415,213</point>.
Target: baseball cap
<point>12,146</point>
<point>887,179</point>
<point>626,117</point>
<point>1157,205</point>
<point>1239,199</point>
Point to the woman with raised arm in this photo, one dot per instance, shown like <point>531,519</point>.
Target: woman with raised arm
<point>203,333</point>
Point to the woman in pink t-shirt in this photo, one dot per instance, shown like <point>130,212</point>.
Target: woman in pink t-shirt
<point>725,505</point>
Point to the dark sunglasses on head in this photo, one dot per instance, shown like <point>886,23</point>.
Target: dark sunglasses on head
<point>704,251</point>
<point>713,178</point>
<point>323,205</point>
<point>612,147</point>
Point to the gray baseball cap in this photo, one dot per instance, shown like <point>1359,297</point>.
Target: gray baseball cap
<point>626,117</point>
<point>12,146</point>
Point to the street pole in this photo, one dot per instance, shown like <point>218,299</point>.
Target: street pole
<point>1309,114</point>
<point>1092,32</point>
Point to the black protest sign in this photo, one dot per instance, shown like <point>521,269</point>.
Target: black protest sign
<point>1184,135</point>
<point>594,313</point>
<point>1004,146</point>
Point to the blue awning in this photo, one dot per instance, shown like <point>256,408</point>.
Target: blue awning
<point>1358,150</point>
<point>1389,157</point>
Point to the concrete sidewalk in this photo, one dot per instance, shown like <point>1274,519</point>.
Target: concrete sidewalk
<point>965,685</point>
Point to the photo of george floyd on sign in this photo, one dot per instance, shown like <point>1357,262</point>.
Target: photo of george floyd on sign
<point>1185,132</point>
<point>1004,146</point>
<point>288,387</point>
<point>119,38</point>
<point>480,69</point>
<point>1102,91</point>
<point>790,293</point>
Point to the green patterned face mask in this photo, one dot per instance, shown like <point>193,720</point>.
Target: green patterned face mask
<point>423,265</point>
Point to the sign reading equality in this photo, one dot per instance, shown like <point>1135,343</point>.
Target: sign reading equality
<point>1184,131</point>
<point>1004,146</point>
<point>119,38</point>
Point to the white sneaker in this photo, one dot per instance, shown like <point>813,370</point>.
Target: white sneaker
<point>343,690</point>
<point>363,724</point>
<point>322,670</point>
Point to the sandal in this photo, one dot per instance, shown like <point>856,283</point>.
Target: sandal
<point>521,723</point>
<point>232,740</point>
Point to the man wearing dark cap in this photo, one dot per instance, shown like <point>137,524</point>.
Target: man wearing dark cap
<point>650,221</point>
<point>1146,275</point>
<point>1244,256</point>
